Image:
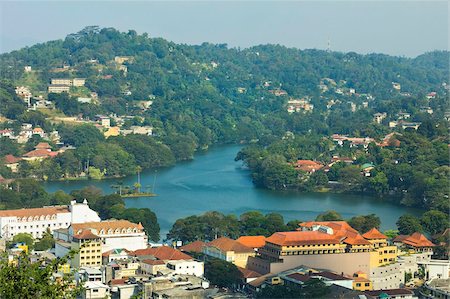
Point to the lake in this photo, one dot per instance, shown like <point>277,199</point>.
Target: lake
<point>214,181</point>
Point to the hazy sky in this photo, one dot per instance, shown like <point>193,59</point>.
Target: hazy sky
<point>406,28</point>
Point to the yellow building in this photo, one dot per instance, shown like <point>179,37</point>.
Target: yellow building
<point>229,250</point>
<point>89,248</point>
<point>64,268</point>
<point>361,282</point>
<point>112,131</point>
<point>382,254</point>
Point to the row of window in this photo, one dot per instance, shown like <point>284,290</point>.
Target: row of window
<point>37,226</point>
<point>117,231</point>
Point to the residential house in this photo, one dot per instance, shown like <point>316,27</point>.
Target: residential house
<point>95,290</point>
<point>229,250</point>
<point>378,117</point>
<point>308,166</point>
<point>115,254</point>
<point>12,162</point>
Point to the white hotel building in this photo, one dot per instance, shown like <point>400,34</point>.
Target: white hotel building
<point>37,220</point>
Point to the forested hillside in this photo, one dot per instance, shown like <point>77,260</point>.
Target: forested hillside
<point>205,94</point>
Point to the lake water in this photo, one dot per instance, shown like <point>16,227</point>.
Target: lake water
<point>214,181</point>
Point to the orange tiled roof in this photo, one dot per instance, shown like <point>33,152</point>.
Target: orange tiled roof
<point>10,159</point>
<point>418,240</point>
<point>40,153</point>
<point>252,241</point>
<point>163,253</point>
<point>341,231</point>
<point>355,239</point>
<point>302,238</point>
<point>42,145</point>
<point>226,244</point>
<point>105,225</point>
<point>86,235</point>
<point>34,212</point>
<point>196,246</point>
<point>374,234</point>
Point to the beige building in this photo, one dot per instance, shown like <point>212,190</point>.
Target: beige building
<point>58,88</point>
<point>229,250</point>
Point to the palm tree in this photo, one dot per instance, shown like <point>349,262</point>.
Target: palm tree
<point>138,184</point>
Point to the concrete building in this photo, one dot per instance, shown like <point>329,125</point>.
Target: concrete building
<point>36,221</point>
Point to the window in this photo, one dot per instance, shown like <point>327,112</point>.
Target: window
<point>367,284</point>
<point>358,284</point>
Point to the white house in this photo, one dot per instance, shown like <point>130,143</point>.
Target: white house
<point>186,267</point>
<point>36,221</point>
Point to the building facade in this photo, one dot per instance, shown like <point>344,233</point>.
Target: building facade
<point>38,220</point>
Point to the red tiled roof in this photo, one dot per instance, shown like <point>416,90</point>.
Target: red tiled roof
<point>118,281</point>
<point>400,238</point>
<point>226,244</point>
<point>163,253</point>
<point>153,262</point>
<point>418,240</point>
<point>10,159</point>
<point>246,273</point>
<point>302,238</point>
<point>34,212</point>
<point>86,235</point>
<point>40,153</point>
<point>299,277</point>
<point>308,165</point>
<point>252,241</point>
<point>43,145</point>
<point>196,246</point>
<point>374,234</point>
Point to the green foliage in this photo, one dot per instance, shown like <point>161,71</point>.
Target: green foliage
<point>329,216</point>
<point>313,288</point>
<point>95,173</point>
<point>23,279</point>
<point>25,238</point>
<point>214,224</point>
<point>222,273</point>
<point>434,222</point>
<point>408,224</point>
<point>46,242</point>
<point>365,223</point>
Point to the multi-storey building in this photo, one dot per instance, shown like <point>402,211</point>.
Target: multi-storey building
<point>36,221</point>
<point>110,234</point>
<point>58,88</point>
<point>89,250</point>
